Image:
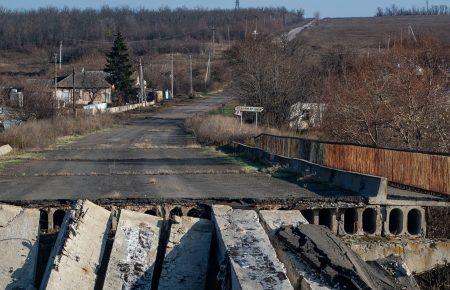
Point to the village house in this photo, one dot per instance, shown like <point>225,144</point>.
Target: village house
<point>91,87</point>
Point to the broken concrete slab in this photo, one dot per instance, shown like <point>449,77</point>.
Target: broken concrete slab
<point>5,149</point>
<point>245,249</point>
<point>398,270</point>
<point>19,235</point>
<point>133,256</point>
<point>419,255</point>
<point>298,272</point>
<point>79,248</point>
<point>324,252</point>
<point>185,263</point>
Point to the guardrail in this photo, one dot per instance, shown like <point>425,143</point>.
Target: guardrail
<point>374,188</point>
<point>424,170</point>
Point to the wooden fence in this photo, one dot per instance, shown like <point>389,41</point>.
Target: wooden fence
<point>424,170</point>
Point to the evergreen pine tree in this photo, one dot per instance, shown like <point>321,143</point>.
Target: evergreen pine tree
<point>119,68</point>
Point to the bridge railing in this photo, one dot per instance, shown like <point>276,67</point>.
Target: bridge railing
<point>424,170</point>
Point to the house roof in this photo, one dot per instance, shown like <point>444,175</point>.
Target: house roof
<point>86,80</point>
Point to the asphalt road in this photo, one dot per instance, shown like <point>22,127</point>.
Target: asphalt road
<point>150,157</point>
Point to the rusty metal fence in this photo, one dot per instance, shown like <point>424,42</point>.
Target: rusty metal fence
<point>424,170</point>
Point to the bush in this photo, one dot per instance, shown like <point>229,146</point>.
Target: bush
<point>40,133</point>
<point>220,130</point>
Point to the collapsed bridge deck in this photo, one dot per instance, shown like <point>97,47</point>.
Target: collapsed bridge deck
<point>138,244</point>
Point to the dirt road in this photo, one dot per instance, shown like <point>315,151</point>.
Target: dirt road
<point>150,157</point>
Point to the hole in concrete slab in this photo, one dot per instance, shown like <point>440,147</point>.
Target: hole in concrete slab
<point>350,220</point>
<point>308,215</point>
<point>43,220</point>
<point>176,212</point>
<point>369,220</point>
<point>194,213</point>
<point>414,221</point>
<point>151,212</point>
<point>396,221</point>
<point>325,218</point>
<point>58,218</point>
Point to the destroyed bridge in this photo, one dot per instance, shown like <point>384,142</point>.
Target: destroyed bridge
<point>144,206</point>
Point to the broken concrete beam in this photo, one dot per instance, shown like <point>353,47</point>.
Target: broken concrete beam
<point>185,263</point>
<point>19,232</point>
<point>297,270</point>
<point>133,256</point>
<point>79,248</point>
<point>325,253</point>
<point>245,247</point>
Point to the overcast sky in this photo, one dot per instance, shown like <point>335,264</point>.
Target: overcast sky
<point>327,8</point>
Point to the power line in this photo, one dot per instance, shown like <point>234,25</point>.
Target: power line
<point>237,5</point>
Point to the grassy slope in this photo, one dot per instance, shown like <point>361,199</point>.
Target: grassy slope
<point>368,32</point>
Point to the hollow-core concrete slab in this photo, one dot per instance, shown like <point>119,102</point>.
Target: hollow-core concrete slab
<point>78,251</point>
<point>243,243</point>
<point>133,256</point>
<point>186,260</point>
<point>19,232</point>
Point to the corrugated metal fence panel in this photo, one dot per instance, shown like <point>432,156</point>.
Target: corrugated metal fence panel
<point>425,171</point>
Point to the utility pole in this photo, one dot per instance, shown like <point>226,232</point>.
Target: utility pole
<point>246,28</point>
<point>208,70</point>
<point>389,42</point>
<point>237,5</point>
<point>73,93</point>
<point>141,81</point>
<point>412,33</point>
<point>56,77</point>
<point>401,37</point>
<point>213,39</point>
<point>191,91</point>
<point>255,33</point>
<point>60,54</point>
<point>228,35</point>
<point>171,77</point>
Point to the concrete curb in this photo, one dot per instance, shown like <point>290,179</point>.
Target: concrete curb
<point>5,149</point>
<point>374,188</point>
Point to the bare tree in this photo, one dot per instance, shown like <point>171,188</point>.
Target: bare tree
<point>398,98</point>
<point>271,74</point>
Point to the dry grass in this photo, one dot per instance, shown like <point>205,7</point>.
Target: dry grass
<point>220,130</point>
<point>40,133</point>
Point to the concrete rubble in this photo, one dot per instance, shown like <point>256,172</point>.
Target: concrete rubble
<point>245,249</point>
<point>133,256</point>
<point>79,248</point>
<point>298,272</point>
<point>419,255</point>
<point>185,263</point>
<point>398,270</point>
<point>333,259</point>
<point>19,232</point>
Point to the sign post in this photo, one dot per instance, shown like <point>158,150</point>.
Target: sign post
<point>256,110</point>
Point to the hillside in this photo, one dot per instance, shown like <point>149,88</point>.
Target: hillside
<point>370,32</point>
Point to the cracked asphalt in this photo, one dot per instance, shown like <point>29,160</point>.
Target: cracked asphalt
<point>150,157</point>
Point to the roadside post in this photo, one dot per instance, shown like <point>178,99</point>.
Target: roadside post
<point>240,109</point>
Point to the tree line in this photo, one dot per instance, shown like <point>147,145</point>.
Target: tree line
<point>143,28</point>
<point>394,10</point>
